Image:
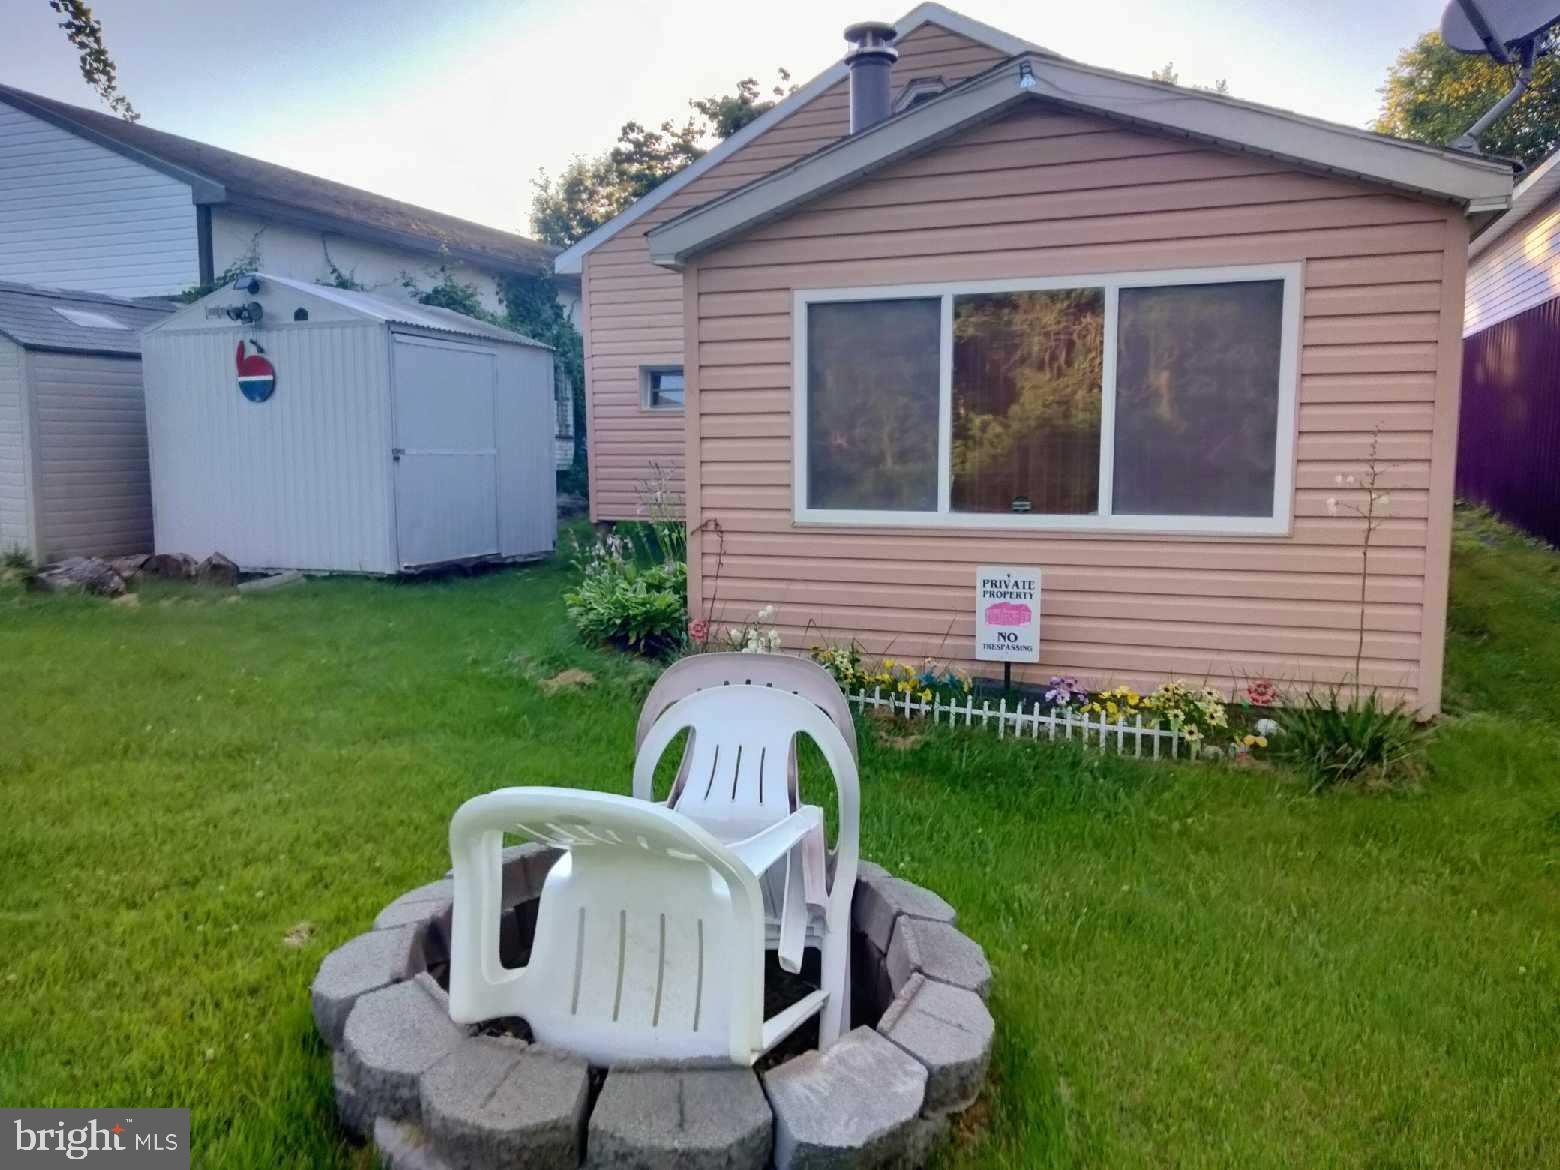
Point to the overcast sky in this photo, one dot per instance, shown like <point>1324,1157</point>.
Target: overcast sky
<point>455,105</point>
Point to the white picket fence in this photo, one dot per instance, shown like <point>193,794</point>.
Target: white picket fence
<point>1132,739</point>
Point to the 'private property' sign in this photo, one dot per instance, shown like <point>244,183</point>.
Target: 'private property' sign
<point>1007,614</point>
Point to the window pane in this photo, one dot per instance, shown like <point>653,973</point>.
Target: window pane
<point>666,388</point>
<point>1197,399</point>
<point>872,404</point>
<point>1026,401</point>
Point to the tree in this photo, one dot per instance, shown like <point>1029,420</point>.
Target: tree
<point>1433,93</point>
<point>85,32</point>
<point>591,191</point>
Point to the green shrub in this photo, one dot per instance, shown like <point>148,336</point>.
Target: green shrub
<point>1332,740</point>
<point>628,604</point>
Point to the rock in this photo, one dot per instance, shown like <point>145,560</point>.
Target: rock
<point>392,1037</point>
<point>217,570</point>
<point>939,952</point>
<point>404,1146</point>
<point>350,1109</point>
<point>949,1030</point>
<point>525,868</point>
<point>671,1119</point>
<point>880,898</point>
<point>274,581</point>
<point>366,963</point>
<point>129,568</point>
<point>853,1105</point>
<point>82,574</point>
<point>497,1101</point>
<point>417,906</point>
<point>127,601</point>
<point>567,680</point>
<point>169,566</point>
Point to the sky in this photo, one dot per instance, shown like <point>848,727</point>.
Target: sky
<point>455,105</point>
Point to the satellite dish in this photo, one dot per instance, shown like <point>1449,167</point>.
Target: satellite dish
<point>1511,31</point>
<point>1506,23</point>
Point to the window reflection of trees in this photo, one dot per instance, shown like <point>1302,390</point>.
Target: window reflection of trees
<point>872,404</point>
<point>1027,375</point>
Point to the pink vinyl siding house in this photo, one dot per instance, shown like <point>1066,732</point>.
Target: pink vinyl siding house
<point>632,308</point>
<point>1126,334</point>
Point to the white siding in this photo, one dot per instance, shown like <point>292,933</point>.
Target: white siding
<point>15,506</point>
<point>1517,272</point>
<point>76,215</point>
<point>301,481</point>
<point>300,253</point>
<point>93,493</point>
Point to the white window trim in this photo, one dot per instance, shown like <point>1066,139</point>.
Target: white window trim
<point>645,403</point>
<point>1277,524</point>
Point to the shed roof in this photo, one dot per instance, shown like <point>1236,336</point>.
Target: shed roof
<point>78,322</point>
<point>392,311</point>
<point>1473,182</point>
<point>226,177</point>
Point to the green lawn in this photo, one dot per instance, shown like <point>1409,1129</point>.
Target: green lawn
<point>1195,966</point>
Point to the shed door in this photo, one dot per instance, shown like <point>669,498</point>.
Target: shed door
<point>446,456</point>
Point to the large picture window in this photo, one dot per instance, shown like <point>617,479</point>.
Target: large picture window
<point>1148,402</point>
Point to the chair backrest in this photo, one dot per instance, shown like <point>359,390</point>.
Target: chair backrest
<point>649,936</point>
<point>780,672</point>
<point>784,672</point>
<point>738,757</point>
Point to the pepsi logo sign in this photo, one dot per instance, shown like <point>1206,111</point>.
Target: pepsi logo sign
<point>256,374</point>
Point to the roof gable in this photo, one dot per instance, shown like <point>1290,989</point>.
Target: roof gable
<point>57,319</point>
<point>571,260</point>
<point>225,177</point>
<point>1476,183</point>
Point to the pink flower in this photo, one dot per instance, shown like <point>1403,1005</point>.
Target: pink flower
<point>1262,693</point>
<point>699,630</point>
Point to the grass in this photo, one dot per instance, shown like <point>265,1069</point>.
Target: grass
<point>1195,966</point>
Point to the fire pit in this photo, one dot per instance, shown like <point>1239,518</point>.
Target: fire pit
<point>433,1095</point>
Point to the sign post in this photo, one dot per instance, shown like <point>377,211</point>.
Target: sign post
<point>1007,616</point>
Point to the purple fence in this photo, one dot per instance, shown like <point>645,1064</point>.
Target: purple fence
<point>1508,439</point>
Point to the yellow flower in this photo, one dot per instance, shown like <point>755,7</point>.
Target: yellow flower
<point>1262,741</point>
<point>904,687</point>
<point>926,696</point>
<point>1249,741</point>
<point>888,664</point>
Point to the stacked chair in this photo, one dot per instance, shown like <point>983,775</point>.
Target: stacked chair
<point>652,927</point>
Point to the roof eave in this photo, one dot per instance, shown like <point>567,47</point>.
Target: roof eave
<point>305,217</point>
<point>1478,185</point>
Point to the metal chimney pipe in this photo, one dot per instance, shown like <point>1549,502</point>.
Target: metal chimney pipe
<point>871,61</point>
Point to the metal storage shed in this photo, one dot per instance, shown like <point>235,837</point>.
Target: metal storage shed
<point>73,472</point>
<point>298,426</point>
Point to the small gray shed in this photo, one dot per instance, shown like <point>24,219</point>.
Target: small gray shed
<point>299,426</point>
<point>73,470</point>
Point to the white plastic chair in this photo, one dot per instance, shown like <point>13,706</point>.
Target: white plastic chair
<point>784,672</point>
<point>736,780</point>
<point>649,942</point>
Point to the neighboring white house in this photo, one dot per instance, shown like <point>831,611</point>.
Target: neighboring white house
<point>1514,265</point>
<point>92,201</point>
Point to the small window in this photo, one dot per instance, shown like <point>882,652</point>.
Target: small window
<point>917,91</point>
<point>88,319</point>
<point>661,387</point>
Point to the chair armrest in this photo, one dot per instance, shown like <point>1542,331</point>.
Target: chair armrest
<point>762,850</point>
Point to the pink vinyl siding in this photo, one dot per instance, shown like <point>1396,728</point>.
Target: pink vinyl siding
<point>1046,193</point>
<point>633,309</point>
